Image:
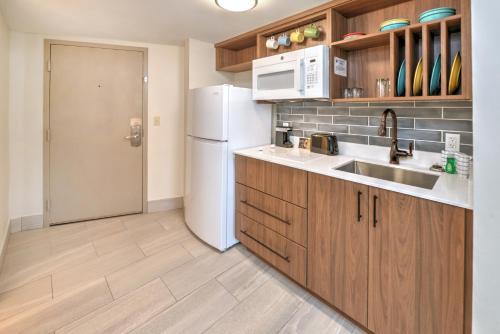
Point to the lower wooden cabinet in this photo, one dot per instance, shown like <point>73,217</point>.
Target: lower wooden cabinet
<point>392,262</point>
<point>285,255</point>
<point>337,266</point>
<point>417,265</point>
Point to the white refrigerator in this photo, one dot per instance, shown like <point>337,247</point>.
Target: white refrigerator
<point>220,120</point>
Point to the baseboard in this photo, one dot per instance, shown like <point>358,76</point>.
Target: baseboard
<point>26,223</point>
<point>165,204</point>
<point>4,245</point>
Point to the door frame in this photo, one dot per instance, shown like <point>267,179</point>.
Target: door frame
<point>46,117</point>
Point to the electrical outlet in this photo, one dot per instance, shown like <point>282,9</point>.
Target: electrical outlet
<point>156,121</point>
<point>452,142</point>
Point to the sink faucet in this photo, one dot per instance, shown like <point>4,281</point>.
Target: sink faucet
<point>382,131</point>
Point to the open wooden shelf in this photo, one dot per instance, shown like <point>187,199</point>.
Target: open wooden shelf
<point>375,55</point>
<point>383,38</point>
<point>401,98</point>
<point>364,42</point>
<point>380,55</point>
<point>240,67</point>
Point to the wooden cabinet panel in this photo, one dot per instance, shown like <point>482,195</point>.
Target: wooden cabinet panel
<point>338,244</point>
<point>442,267</point>
<point>286,183</point>
<point>392,297</point>
<point>280,216</point>
<point>417,265</point>
<point>285,255</point>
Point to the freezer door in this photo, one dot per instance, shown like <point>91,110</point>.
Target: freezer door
<point>207,115</point>
<point>206,190</point>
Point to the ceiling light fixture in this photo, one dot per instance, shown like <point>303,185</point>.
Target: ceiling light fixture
<point>236,5</point>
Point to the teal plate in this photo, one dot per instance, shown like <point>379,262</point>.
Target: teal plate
<point>402,79</point>
<point>438,10</point>
<point>433,17</point>
<point>436,14</point>
<point>435,77</point>
<point>393,26</point>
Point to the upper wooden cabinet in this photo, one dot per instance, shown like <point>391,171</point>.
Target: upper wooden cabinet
<point>378,54</point>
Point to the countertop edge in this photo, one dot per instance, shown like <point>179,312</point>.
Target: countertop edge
<point>369,181</point>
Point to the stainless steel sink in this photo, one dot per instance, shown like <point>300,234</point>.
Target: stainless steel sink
<point>412,178</point>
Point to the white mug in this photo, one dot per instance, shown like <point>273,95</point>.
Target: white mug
<point>272,43</point>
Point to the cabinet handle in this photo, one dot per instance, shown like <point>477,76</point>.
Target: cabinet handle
<point>265,212</point>
<point>375,221</point>
<point>359,206</point>
<point>284,257</point>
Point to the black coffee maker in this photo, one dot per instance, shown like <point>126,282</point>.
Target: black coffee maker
<point>283,136</point>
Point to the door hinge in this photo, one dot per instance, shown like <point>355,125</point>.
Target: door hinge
<point>145,79</point>
<point>47,205</point>
<point>49,66</point>
<point>47,135</point>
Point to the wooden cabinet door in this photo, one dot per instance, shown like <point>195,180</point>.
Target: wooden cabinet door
<point>338,244</point>
<point>416,273</point>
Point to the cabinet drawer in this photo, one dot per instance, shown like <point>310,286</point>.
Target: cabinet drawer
<point>287,219</point>
<point>283,182</point>
<point>285,255</point>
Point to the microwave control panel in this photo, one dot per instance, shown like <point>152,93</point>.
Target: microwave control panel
<point>313,73</point>
<point>316,72</point>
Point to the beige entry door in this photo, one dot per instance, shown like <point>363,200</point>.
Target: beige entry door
<point>95,159</point>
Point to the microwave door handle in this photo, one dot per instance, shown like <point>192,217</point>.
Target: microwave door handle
<point>299,75</point>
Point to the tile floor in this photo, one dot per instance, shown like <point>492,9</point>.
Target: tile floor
<point>148,274</point>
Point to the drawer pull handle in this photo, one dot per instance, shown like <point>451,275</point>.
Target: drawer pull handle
<point>286,258</point>
<point>375,221</point>
<point>359,206</point>
<point>265,212</point>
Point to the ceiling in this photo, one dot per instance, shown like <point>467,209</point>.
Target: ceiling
<point>155,21</point>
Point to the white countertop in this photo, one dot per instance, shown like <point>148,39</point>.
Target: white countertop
<point>449,189</point>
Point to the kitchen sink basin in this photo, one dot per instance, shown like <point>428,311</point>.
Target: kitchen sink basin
<point>412,178</point>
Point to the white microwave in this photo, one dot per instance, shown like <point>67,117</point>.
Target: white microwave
<point>301,74</point>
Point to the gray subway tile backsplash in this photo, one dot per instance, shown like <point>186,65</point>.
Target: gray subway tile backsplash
<point>339,111</point>
<point>442,124</point>
<point>290,118</point>
<point>352,138</point>
<point>318,119</point>
<point>457,113</point>
<point>423,122</point>
<point>305,111</point>
<point>408,123</point>
<point>333,128</point>
<point>445,104</point>
<point>305,126</point>
<point>350,120</point>
<point>364,130</point>
<point>429,146</point>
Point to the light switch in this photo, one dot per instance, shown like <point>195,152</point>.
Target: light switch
<point>156,121</point>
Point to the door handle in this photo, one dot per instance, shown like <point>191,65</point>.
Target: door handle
<point>131,137</point>
<point>135,136</point>
<point>375,221</point>
<point>359,206</point>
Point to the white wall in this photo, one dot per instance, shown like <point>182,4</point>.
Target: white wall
<point>486,73</point>
<point>201,66</point>
<point>4,134</point>
<point>166,99</point>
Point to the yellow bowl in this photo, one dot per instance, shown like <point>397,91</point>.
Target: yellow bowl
<point>392,21</point>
